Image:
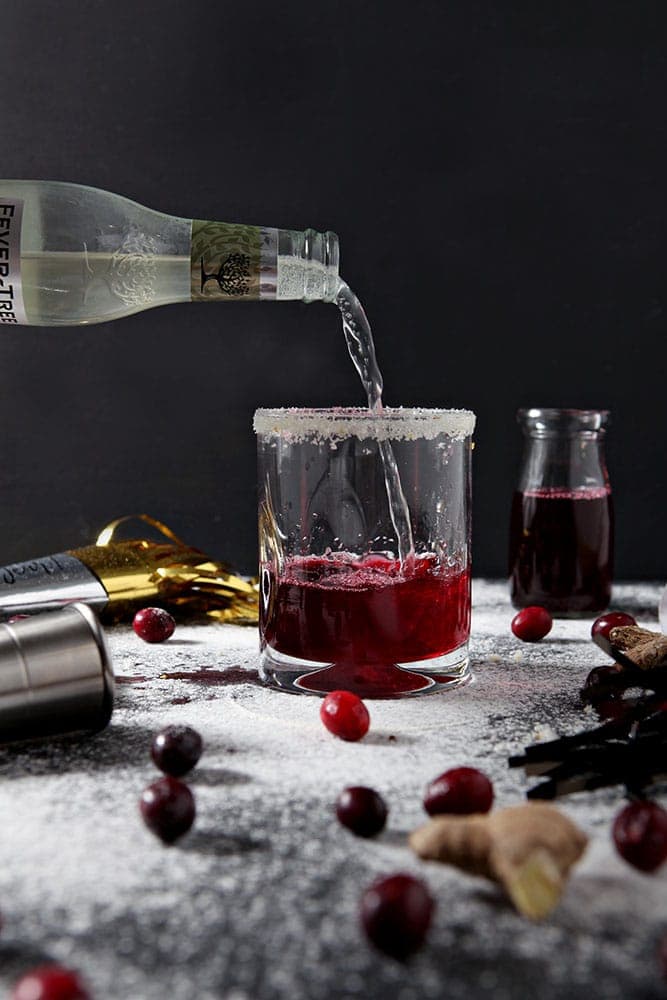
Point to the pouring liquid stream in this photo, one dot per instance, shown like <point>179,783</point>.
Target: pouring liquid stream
<point>359,340</point>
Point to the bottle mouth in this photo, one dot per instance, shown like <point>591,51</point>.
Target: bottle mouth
<point>553,422</point>
<point>321,255</point>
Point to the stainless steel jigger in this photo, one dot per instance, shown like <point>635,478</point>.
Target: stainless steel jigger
<point>56,675</point>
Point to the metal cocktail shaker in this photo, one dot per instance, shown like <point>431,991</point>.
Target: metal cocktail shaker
<point>56,675</point>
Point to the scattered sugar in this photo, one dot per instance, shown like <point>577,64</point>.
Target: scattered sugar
<point>542,734</point>
<point>260,899</point>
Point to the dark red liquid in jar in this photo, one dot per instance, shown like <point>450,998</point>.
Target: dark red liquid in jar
<point>365,615</point>
<point>561,550</point>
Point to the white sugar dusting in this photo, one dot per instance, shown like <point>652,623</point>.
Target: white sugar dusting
<point>260,900</point>
<point>391,424</point>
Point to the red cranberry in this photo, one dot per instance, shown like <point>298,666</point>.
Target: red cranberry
<point>599,685</point>
<point>168,808</point>
<point>345,715</point>
<point>50,982</point>
<point>396,914</point>
<point>361,810</point>
<point>176,750</point>
<point>462,790</point>
<point>613,709</point>
<point>532,624</point>
<point>603,625</point>
<point>640,835</point>
<point>153,624</point>
<point>662,957</point>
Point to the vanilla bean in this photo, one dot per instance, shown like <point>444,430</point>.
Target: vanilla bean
<point>631,751</point>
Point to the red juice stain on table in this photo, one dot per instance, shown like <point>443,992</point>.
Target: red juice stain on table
<point>364,616</point>
<point>215,678</point>
<point>560,549</point>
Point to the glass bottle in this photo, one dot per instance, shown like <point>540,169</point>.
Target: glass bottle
<point>73,255</point>
<point>561,527</point>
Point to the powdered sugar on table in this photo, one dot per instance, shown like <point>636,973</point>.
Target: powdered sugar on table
<point>260,899</point>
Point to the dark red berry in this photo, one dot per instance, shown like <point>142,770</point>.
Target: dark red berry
<point>462,790</point>
<point>532,624</point>
<point>396,913</point>
<point>168,808</point>
<point>640,835</point>
<point>153,624</point>
<point>50,982</point>
<point>614,709</point>
<point>176,750</point>
<point>599,685</point>
<point>345,715</point>
<point>361,810</point>
<point>603,625</point>
<point>662,957</point>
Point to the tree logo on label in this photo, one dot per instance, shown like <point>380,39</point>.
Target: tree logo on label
<point>232,276</point>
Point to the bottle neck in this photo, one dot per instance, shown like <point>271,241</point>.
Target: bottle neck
<point>229,262</point>
<point>563,451</point>
<point>573,464</point>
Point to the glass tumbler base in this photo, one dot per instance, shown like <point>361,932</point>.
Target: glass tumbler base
<point>299,676</point>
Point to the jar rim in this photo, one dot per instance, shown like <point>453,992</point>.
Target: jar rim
<point>554,420</point>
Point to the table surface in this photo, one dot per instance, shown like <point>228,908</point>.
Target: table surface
<point>260,899</point>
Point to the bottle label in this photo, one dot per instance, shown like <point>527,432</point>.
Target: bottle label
<point>48,582</point>
<point>11,294</point>
<point>232,262</point>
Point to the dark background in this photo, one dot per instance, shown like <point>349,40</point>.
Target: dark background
<point>497,178</point>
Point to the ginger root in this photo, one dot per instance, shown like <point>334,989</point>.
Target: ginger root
<point>645,648</point>
<point>529,849</point>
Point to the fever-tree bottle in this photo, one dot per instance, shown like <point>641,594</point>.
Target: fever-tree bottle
<point>73,255</point>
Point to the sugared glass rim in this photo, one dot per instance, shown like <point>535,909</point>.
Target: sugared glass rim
<point>403,423</point>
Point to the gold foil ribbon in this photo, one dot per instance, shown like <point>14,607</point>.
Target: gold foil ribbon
<point>171,573</point>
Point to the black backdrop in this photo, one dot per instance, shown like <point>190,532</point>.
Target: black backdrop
<point>498,187</point>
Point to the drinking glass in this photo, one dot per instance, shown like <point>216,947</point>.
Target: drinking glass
<point>364,536</point>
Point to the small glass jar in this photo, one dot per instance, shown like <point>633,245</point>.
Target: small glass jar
<point>562,523</point>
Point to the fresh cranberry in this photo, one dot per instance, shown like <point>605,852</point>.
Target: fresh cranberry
<point>662,957</point>
<point>599,685</point>
<point>613,709</point>
<point>462,790</point>
<point>532,624</point>
<point>153,624</point>
<point>361,810</point>
<point>168,808</point>
<point>640,835</point>
<point>50,982</point>
<point>396,913</point>
<point>603,625</point>
<point>176,750</point>
<point>345,715</point>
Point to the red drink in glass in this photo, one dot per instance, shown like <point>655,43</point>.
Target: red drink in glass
<point>363,616</point>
